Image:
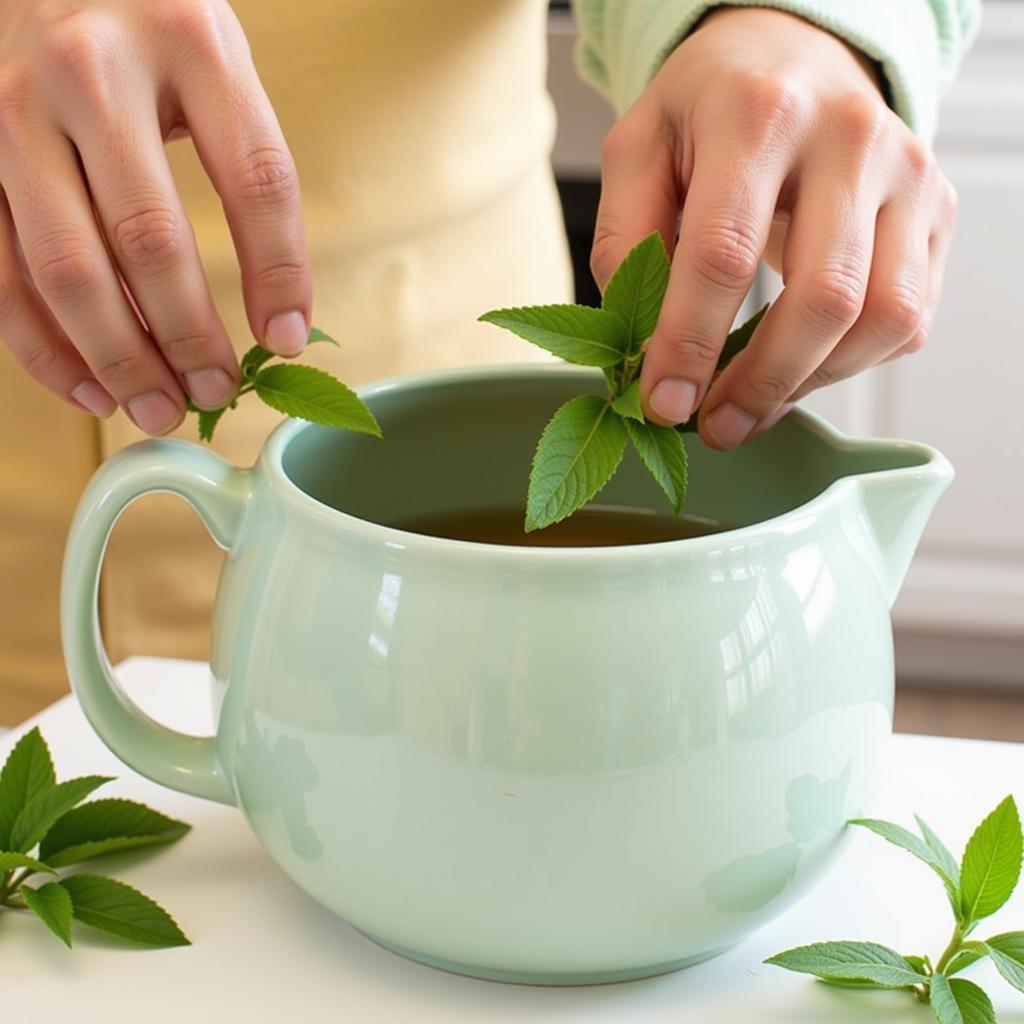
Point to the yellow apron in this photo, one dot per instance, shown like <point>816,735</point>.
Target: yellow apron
<point>421,133</point>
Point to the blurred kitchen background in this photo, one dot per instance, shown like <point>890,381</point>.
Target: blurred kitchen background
<point>959,621</point>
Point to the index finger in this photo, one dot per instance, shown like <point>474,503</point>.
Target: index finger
<point>242,148</point>
<point>726,219</point>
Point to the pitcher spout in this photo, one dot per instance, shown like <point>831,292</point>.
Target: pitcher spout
<point>895,502</point>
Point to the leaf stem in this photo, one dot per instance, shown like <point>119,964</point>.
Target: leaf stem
<point>955,946</point>
<point>629,367</point>
<point>13,882</point>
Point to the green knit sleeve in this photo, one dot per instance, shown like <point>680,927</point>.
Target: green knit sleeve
<point>918,43</point>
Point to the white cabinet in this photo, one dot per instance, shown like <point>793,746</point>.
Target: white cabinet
<point>961,613</point>
<point>964,392</point>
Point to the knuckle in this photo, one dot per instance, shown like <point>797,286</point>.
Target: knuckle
<point>267,175</point>
<point>834,296</point>
<point>822,377</point>
<point>726,254</point>
<point>860,119</point>
<point>121,370</point>
<point>15,90</point>
<point>771,389</point>
<point>83,45</point>
<point>771,103</point>
<point>689,349</point>
<point>186,349</point>
<point>285,272</point>
<point>197,25</point>
<point>898,312</point>
<point>39,361</point>
<point>66,270</point>
<point>918,161</point>
<point>621,141</point>
<point>150,237</point>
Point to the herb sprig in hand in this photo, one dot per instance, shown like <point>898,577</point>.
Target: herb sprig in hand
<point>304,392</point>
<point>44,826</point>
<point>584,442</point>
<point>976,888</point>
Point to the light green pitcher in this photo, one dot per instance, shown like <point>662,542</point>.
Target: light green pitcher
<point>561,765</point>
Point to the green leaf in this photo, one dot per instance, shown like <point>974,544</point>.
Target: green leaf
<point>52,905</point>
<point>960,1002</point>
<point>578,334</point>
<point>962,961</point>
<point>1007,953</point>
<point>311,394</point>
<point>737,339</point>
<point>637,288</point>
<point>580,449</point>
<point>120,910</point>
<point>26,773</point>
<point>315,335</point>
<point>208,420</point>
<point>906,840</point>
<point>663,452</point>
<point>10,861</point>
<point>992,862</point>
<point>921,964</point>
<point>945,859</point>
<point>850,961</point>
<point>253,360</point>
<point>628,403</point>
<point>46,807</point>
<point>106,826</point>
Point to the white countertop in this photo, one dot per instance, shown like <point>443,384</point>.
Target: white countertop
<point>264,951</point>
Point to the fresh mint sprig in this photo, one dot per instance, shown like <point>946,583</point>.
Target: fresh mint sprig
<point>976,888</point>
<point>303,392</point>
<point>584,442</point>
<point>38,811</point>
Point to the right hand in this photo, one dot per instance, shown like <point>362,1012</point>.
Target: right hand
<point>92,229</point>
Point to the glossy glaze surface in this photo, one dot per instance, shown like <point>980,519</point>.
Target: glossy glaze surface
<point>562,765</point>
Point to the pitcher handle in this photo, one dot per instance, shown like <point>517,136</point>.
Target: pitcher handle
<point>219,493</point>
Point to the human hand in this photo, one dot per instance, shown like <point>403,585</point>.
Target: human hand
<point>103,298</point>
<point>771,137</point>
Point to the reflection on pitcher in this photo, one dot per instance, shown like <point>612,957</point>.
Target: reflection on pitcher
<point>752,881</point>
<point>285,775</point>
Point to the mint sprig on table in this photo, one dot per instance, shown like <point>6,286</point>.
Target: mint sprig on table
<point>44,826</point>
<point>303,392</point>
<point>584,442</point>
<point>976,888</point>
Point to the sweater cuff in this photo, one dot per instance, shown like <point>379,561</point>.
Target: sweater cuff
<point>901,37</point>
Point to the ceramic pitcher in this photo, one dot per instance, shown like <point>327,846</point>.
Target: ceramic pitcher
<point>561,765</point>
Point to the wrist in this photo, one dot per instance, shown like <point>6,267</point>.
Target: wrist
<point>763,22</point>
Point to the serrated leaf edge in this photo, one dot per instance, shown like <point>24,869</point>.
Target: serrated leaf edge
<point>547,521</point>
<point>137,892</point>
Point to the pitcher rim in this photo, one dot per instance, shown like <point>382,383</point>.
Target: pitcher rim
<point>935,468</point>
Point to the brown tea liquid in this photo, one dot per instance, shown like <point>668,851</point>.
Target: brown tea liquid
<point>593,526</point>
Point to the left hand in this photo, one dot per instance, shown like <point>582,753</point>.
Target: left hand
<point>772,139</point>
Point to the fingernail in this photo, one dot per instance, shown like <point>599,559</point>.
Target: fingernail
<point>211,388</point>
<point>730,426</point>
<point>673,399</point>
<point>90,395</point>
<point>154,412</point>
<point>287,333</point>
